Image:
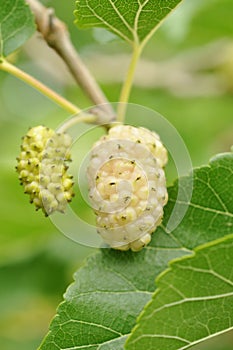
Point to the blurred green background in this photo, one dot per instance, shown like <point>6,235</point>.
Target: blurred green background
<point>186,74</point>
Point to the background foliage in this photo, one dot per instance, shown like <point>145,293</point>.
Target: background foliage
<point>194,50</point>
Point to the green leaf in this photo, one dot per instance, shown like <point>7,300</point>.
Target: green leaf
<point>193,302</point>
<point>110,291</point>
<point>135,21</point>
<point>16,25</point>
<point>101,307</point>
<point>210,212</point>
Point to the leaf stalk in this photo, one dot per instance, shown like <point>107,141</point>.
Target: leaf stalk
<point>127,86</point>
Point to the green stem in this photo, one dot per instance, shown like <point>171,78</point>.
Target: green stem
<point>86,118</point>
<point>45,90</point>
<point>126,89</point>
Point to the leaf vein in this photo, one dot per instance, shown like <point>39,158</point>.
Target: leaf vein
<point>211,272</point>
<point>166,336</point>
<point>121,17</point>
<point>92,324</point>
<point>79,347</point>
<point>187,300</point>
<point>11,11</point>
<point>122,277</point>
<point>112,292</point>
<point>215,194</point>
<point>108,25</point>
<point>197,206</point>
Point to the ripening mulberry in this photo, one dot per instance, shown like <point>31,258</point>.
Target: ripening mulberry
<point>43,171</point>
<point>127,186</point>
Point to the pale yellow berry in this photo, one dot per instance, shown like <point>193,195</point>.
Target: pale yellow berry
<point>127,186</point>
<point>43,171</point>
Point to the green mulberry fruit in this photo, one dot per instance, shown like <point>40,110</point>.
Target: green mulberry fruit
<point>42,169</point>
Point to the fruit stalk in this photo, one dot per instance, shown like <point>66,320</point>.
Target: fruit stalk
<point>42,88</point>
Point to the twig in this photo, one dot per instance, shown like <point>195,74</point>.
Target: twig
<point>56,35</point>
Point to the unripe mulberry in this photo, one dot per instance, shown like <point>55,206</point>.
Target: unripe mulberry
<point>43,171</point>
<point>127,186</point>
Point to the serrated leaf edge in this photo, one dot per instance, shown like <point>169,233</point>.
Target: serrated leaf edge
<point>152,32</point>
<point>136,41</point>
<point>168,270</point>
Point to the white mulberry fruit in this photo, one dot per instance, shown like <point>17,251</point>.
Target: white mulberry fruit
<point>42,169</point>
<point>127,186</point>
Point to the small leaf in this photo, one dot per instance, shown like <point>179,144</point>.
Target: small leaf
<point>135,21</point>
<point>193,302</point>
<point>108,294</point>
<point>16,25</point>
